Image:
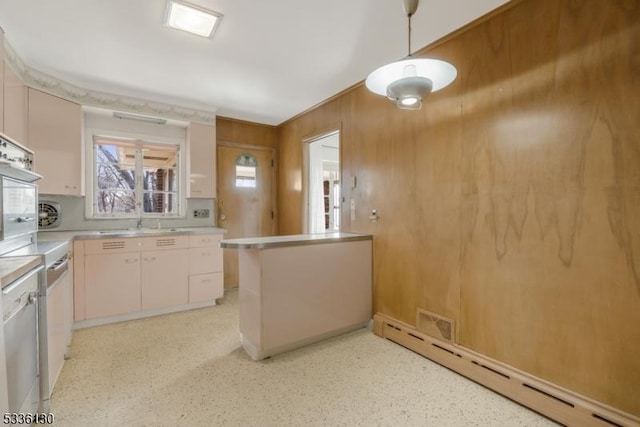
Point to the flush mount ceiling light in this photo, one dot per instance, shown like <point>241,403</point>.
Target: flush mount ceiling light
<point>410,80</point>
<point>191,18</point>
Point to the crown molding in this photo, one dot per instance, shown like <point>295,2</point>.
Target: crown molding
<point>54,86</point>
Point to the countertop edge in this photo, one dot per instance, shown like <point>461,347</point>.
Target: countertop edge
<point>72,235</point>
<point>265,243</point>
<point>12,268</point>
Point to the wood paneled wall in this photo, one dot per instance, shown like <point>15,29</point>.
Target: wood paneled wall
<point>511,201</point>
<point>241,132</point>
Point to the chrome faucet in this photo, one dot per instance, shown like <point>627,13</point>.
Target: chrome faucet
<point>139,223</point>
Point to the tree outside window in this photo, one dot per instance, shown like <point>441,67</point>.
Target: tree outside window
<point>134,178</point>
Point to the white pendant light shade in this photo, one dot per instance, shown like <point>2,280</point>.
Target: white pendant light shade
<point>406,78</point>
<point>439,72</point>
<point>410,80</point>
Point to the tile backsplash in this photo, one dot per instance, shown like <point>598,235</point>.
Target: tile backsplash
<point>73,215</point>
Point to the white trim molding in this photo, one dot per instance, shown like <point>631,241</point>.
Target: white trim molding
<point>87,97</point>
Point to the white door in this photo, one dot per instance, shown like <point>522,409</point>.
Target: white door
<point>322,183</point>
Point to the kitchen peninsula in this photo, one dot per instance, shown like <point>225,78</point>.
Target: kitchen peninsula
<point>299,289</point>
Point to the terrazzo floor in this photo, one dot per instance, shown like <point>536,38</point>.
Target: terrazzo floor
<point>188,369</point>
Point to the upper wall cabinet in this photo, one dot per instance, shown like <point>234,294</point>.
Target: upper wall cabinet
<point>202,152</point>
<point>2,80</point>
<point>55,135</point>
<point>15,106</point>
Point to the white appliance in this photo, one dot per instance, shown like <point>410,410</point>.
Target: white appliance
<point>20,320</point>
<point>30,345</point>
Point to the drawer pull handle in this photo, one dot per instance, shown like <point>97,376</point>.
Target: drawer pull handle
<point>131,260</point>
<point>206,253</point>
<point>206,280</point>
<point>150,259</point>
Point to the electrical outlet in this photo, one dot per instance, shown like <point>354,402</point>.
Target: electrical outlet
<point>201,213</point>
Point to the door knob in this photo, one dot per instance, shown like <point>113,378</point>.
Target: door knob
<point>223,217</point>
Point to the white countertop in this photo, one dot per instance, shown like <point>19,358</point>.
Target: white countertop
<point>12,268</point>
<point>292,240</point>
<point>46,236</point>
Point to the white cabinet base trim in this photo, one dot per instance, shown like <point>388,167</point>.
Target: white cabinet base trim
<point>258,354</point>
<point>139,315</point>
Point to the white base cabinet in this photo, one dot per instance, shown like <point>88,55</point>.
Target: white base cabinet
<point>112,284</point>
<point>124,278</point>
<point>206,287</point>
<point>165,279</point>
<point>206,278</point>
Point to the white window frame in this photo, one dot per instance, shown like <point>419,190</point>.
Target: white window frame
<point>92,133</point>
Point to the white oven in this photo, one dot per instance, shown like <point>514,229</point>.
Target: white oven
<point>24,299</point>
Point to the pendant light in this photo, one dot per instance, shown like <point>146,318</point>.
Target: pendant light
<point>408,81</point>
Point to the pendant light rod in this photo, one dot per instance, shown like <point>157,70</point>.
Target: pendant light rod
<point>409,37</point>
<point>410,7</point>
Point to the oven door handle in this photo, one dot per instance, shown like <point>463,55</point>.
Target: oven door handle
<point>24,219</point>
<point>54,273</point>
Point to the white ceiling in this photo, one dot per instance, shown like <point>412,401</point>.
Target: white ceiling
<point>268,61</point>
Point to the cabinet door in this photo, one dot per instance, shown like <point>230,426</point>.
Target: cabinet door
<point>112,284</point>
<point>55,135</point>
<point>15,106</point>
<point>56,328</point>
<point>202,160</point>
<point>206,287</point>
<point>2,85</point>
<point>68,308</point>
<point>165,280</point>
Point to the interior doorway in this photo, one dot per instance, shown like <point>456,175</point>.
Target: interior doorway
<point>245,198</point>
<point>322,183</point>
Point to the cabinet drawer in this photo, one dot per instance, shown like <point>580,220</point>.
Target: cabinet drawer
<point>205,260</point>
<point>112,246</point>
<point>201,240</point>
<point>206,287</point>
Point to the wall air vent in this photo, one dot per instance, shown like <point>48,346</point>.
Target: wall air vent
<point>435,325</point>
<point>49,214</point>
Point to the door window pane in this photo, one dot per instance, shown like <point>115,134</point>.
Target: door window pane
<point>246,166</point>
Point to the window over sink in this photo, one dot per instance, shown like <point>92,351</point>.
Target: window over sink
<point>134,178</point>
<point>134,168</point>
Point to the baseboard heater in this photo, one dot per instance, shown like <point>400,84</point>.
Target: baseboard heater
<point>548,399</point>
